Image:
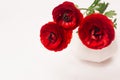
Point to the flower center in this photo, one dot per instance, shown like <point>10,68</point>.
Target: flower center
<point>96,33</point>
<point>66,17</point>
<point>52,37</point>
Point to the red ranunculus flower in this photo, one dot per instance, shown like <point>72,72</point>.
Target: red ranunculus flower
<point>67,15</point>
<point>54,37</point>
<point>96,31</point>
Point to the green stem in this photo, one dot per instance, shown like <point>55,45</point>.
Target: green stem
<point>83,9</point>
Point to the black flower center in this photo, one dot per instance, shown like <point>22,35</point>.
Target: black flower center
<point>52,37</point>
<point>66,17</point>
<point>96,33</point>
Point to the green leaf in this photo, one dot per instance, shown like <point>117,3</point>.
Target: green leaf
<point>90,12</point>
<point>115,20</point>
<point>97,6</point>
<point>76,6</point>
<point>101,7</point>
<point>95,3</point>
<point>110,13</point>
<point>115,23</point>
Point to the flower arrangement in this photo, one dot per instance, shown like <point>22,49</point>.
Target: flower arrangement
<point>95,29</point>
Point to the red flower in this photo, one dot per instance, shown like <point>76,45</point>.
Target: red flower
<point>67,15</point>
<point>96,31</point>
<point>54,37</point>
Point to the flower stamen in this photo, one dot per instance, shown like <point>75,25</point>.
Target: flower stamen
<point>52,37</point>
<point>96,34</point>
<point>66,17</point>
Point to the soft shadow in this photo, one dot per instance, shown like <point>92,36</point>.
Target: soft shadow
<point>98,64</point>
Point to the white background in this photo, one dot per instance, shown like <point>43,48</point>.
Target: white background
<point>23,57</point>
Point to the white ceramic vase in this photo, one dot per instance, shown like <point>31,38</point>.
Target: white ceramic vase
<point>85,53</point>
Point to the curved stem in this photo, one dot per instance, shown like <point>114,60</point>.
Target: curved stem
<point>83,8</point>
